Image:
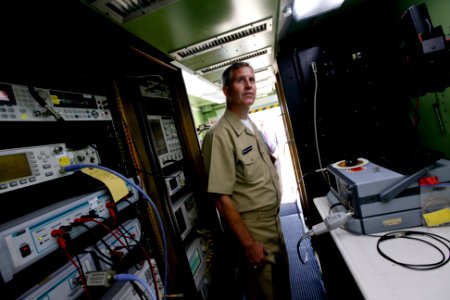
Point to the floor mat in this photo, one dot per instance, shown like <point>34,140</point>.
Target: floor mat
<point>306,279</point>
<point>288,208</point>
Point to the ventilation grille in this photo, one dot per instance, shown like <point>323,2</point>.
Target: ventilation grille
<point>263,69</point>
<point>219,41</point>
<point>126,10</point>
<point>264,81</point>
<point>267,69</point>
<point>225,64</point>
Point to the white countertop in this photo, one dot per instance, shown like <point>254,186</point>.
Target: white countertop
<point>379,278</point>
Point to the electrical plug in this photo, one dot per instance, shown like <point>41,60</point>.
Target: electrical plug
<point>330,223</point>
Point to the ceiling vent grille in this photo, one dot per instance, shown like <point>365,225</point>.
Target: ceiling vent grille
<point>268,69</point>
<point>126,10</point>
<point>225,64</point>
<point>220,40</point>
<point>263,69</point>
<point>264,80</point>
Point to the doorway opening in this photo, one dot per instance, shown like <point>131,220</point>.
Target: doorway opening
<point>270,121</point>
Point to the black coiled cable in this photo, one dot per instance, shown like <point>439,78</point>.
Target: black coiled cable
<point>412,235</point>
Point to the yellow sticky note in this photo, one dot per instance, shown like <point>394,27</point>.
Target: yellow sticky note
<point>438,217</point>
<point>116,185</point>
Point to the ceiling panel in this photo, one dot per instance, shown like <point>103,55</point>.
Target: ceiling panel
<point>215,32</point>
<point>233,26</point>
<point>186,22</point>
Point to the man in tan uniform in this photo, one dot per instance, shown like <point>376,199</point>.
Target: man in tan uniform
<point>243,181</point>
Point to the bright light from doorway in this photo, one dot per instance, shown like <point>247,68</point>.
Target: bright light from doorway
<point>308,8</point>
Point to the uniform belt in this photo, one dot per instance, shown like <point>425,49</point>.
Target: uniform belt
<point>260,214</point>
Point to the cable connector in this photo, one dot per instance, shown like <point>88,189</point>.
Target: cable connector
<point>330,223</point>
<point>59,235</point>
<point>100,278</point>
<point>82,220</point>
<point>111,206</point>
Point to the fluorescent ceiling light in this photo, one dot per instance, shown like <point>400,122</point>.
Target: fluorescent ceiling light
<point>217,97</point>
<point>200,87</point>
<point>308,8</point>
<point>197,85</point>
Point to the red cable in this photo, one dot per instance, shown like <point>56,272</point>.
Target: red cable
<point>110,207</point>
<point>152,269</point>
<point>58,234</point>
<point>83,280</point>
<point>83,220</point>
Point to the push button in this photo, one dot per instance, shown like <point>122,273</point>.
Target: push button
<point>25,250</point>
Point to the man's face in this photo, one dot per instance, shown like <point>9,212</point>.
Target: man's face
<point>242,89</point>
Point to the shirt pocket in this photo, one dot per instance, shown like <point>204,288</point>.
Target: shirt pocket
<point>252,167</point>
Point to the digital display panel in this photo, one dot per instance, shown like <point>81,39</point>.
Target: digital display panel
<point>14,166</point>
<point>6,95</point>
<point>63,99</point>
<point>194,261</point>
<point>158,136</point>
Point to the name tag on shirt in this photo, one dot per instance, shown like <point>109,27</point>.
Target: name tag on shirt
<point>247,149</point>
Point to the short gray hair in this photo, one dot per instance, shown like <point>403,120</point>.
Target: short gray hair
<point>226,75</point>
